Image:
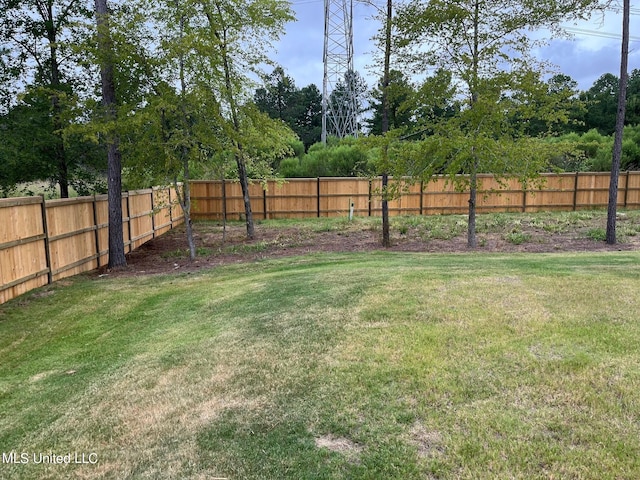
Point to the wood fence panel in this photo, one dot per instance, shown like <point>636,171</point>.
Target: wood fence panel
<point>441,197</point>
<point>337,193</point>
<point>297,198</point>
<point>162,210</point>
<point>177,215</point>
<point>41,242</point>
<point>408,203</point>
<point>23,263</point>
<point>593,191</point>
<point>504,195</point>
<point>633,190</point>
<point>141,217</point>
<point>207,195</point>
<point>206,200</point>
<point>552,192</point>
<point>102,223</point>
<point>126,223</point>
<point>72,239</point>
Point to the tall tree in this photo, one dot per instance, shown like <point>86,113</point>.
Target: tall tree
<point>565,90</point>
<point>200,59</point>
<point>601,101</point>
<point>308,123</point>
<point>301,109</point>
<point>386,120</point>
<point>487,47</point>
<point>632,112</point>
<point>617,143</point>
<point>117,257</point>
<point>40,35</point>
<point>400,97</point>
<point>242,30</point>
<point>278,96</point>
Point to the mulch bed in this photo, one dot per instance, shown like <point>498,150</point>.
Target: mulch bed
<point>168,253</point>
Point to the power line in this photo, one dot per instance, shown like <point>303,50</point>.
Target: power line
<point>596,33</point>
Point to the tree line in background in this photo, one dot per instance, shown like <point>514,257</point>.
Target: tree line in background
<point>186,104</point>
<point>588,125</point>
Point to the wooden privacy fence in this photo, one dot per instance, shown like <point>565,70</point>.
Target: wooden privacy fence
<point>44,241</point>
<point>330,197</point>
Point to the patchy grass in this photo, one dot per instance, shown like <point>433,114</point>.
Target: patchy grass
<point>517,238</point>
<point>382,365</point>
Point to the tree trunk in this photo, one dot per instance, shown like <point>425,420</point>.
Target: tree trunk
<point>224,207</point>
<point>472,241</point>
<point>185,152</point>
<point>617,143</point>
<point>386,239</point>
<point>185,203</point>
<point>114,160</point>
<point>62,175</point>
<point>233,107</point>
<point>244,183</point>
<point>114,200</point>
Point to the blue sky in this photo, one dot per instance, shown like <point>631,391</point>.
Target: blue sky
<point>591,53</point>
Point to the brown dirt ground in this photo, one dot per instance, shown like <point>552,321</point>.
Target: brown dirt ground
<point>168,253</point>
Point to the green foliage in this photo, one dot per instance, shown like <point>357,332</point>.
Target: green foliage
<point>592,151</point>
<point>597,234</point>
<point>601,102</point>
<point>342,159</point>
<point>401,98</point>
<point>487,46</point>
<point>301,109</point>
<point>32,144</point>
<point>516,237</point>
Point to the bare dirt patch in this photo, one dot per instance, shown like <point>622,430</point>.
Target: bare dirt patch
<point>351,450</point>
<point>169,253</point>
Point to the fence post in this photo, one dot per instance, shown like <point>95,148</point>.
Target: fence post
<point>96,231</point>
<point>575,192</point>
<point>47,247</point>
<point>524,198</point>
<point>421,197</point>
<point>129,222</point>
<point>224,202</point>
<point>153,214</point>
<point>318,194</point>
<point>170,202</point>
<point>369,203</point>
<point>264,200</point>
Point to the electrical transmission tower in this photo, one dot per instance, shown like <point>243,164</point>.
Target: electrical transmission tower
<point>339,106</point>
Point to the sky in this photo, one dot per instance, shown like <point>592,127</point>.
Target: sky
<point>594,50</point>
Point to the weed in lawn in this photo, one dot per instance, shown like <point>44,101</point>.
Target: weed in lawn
<point>256,247</point>
<point>597,234</point>
<point>180,253</point>
<point>184,252</point>
<point>444,227</point>
<point>517,237</point>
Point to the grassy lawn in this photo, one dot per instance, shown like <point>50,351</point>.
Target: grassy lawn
<point>354,366</point>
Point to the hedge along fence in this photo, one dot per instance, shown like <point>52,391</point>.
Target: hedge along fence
<point>330,197</point>
<point>44,241</point>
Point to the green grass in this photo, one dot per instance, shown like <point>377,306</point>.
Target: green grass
<point>372,366</point>
<point>597,234</point>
